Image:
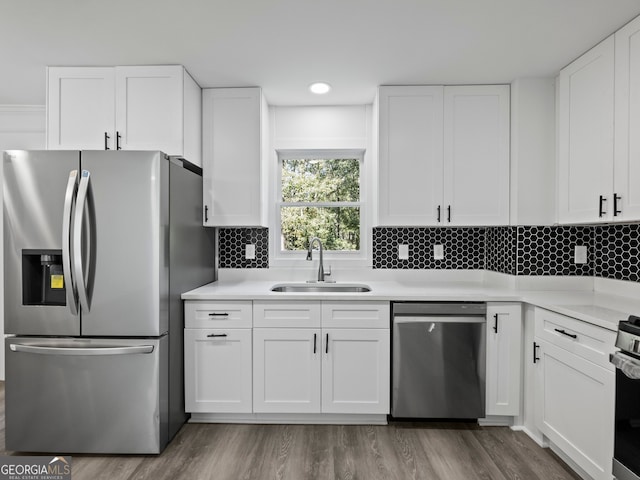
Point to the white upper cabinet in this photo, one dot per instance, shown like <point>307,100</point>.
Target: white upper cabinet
<point>125,108</point>
<point>599,111</point>
<point>627,122</point>
<point>234,139</point>
<point>410,155</point>
<point>585,129</point>
<point>80,108</point>
<point>476,155</point>
<point>444,155</point>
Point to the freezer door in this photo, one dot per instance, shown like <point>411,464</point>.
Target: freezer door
<point>35,293</point>
<point>86,395</point>
<point>127,286</point>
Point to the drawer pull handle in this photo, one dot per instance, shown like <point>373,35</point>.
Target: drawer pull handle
<point>214,335</point>
<point>536,358</point>
<point>218,314</point>
<point>572,335</point>
<point>601,211</point>
<point>616,197</point>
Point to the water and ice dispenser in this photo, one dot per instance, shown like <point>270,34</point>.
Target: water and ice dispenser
<point>43,280</point>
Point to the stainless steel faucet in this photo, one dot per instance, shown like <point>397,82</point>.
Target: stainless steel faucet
<point>321,273</point>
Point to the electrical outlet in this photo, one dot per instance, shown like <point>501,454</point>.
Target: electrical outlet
<point>250,251</point>
<point>403,252</point>
<point>438,252</point>
<point>580,254</point>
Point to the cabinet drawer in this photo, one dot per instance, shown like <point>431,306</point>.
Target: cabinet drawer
<point>218,314</point>
<point>287,314</point>
<point>355,315</point>
<point>581,338</point>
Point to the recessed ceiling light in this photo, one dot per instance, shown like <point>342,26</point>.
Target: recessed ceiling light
<point>320,88</point>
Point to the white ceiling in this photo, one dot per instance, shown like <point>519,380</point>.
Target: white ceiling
<point>284,45</point>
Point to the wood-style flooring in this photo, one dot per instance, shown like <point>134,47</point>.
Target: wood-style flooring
<point>399,451</point>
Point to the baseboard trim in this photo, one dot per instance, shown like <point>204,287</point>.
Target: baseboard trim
<point>290,418</point>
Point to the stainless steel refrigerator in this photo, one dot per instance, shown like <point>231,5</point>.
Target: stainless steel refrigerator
<point>98,247</point>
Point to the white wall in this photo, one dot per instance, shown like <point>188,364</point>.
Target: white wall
<point>22,127</point>
<point>533,152</point>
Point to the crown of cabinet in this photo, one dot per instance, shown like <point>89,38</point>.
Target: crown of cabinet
<point>125,108</point>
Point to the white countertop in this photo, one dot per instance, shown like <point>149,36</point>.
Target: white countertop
<point>600,309</point>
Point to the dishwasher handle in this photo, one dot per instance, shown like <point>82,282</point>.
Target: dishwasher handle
<point>440,319</point>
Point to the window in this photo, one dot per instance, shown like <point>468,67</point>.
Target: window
<point>320,196</point>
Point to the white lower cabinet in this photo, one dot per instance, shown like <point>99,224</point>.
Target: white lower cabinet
<point>355,371</point>
<point>218,370</point>
<point>217,357</point>
<point>504,359</point>
<point>286,370</point>
<point>575,390</point>
<point>312,369</point>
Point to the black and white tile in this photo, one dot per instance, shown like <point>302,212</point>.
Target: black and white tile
<point>464,247</point>
<point>501,249</point>
<point>549,250</point>
<point>231,247</point>
<point>613,251</point>
<point>617,251</point>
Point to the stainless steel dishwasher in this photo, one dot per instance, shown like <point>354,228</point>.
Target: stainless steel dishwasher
<point>438,360</point>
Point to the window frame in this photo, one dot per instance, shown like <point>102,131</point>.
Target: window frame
<point>298,257</point>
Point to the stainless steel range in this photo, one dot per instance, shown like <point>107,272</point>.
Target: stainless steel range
<point>626,457</point>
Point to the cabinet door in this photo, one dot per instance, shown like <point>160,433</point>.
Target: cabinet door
<point>585,130</point>
<point>627,122</point>
<point>504,359</point>
<point>286,370</point>
<point>232,157</point>
<point>217,367</point>
<point>355,371</point>
<point>80,108</point>
<point>576,401</point>
<point>410,155</point>
<point>476,155</point>
<point>149,108</point>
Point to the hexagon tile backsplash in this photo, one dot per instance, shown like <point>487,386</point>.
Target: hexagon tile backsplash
<point>613,251</point>
<point>463,248</point>
<point>617,251</point>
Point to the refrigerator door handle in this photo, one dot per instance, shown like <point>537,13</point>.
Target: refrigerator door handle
<point>69,204</point>
<point>86,352</point>
<point>84,274</point>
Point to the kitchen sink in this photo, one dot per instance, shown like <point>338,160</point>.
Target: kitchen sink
<point>321,287</point>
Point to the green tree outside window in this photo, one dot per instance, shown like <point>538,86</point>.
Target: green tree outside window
<point>321,197</point>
